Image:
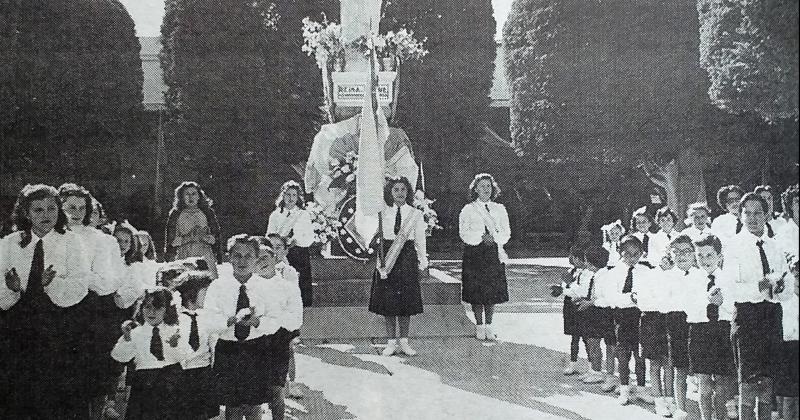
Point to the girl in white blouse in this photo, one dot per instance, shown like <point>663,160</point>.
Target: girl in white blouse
<point>396,293</point>
<point>45,278</point>
<point>135,277</point>
<point>99,371</point>
<point>153,342</point>
<point>290,220</point>
<point>201,328</point>
<point>484,228</point>
<point>612,233</point>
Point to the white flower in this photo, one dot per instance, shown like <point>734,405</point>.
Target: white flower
<point>350,178</point>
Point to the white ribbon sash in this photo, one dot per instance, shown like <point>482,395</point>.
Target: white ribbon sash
<point>397,246</point>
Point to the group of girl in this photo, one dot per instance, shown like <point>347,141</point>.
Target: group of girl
<point>193,338</point>
<point>716,301</point>
<point>484,229</point>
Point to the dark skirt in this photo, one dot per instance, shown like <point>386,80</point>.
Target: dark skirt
<point>195,394</point>
<point>788,374</point>
<point>399,294</point>
<point>570,317</point>
<point>653,335</point>
<point>594,322</point>
<point>678,337</point>
<point>244,370</point>
<point>758,340</point>
<point>154,394</point>
<point>300,259</point>
<point>41,344</point>
<point>483,276</point>
<point>626,324</point>
<point>710,349</point>
<point>100,370</point>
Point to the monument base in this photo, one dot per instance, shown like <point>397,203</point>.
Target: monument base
<point>340,304</point>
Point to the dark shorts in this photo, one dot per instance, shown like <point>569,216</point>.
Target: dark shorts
<point>155,393</point>
<point>244,370</point>
<point>758,340</point>
<point>196,393</point>
<point>570,317</point>
<point>710,348</point>
<point>626,323</point>
<point>678,337</point>
<point>594,322</point>
<point>787,376</point>
<point>653,335</point>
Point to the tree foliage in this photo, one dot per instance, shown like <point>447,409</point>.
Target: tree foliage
<point>750,50</point>
<point>243,100</point>
<point>444,98</point>
<point>71,83</point>
<point>602,88</point>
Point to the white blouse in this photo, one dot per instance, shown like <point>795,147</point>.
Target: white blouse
<point>138,348</point>
<point>63,251</point>
<point>209,326</point>
<point>659,246</point>
<point>135,279</point>
<point>694,233</point>
<point>418,235</point>
<point>654,291</point>
<point>303,232</point>
<point>743,260</point>
<point>788,237</point>
<point>791,316</point>
<point>285,284</point>
<point>724,226</point>
<point>609,284</point>
<point>223,294</point>
<point>103,254</point>
<point>613,252</point>
<point>695,297</point>
<point>471,225</point>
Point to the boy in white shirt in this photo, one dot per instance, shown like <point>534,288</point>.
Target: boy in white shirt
<point>727,225</point>
<point>708,303</point>
<point>758,265</point>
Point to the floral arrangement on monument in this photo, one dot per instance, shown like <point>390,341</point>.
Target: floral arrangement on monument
<point>400,45</point>
<point>323,40</point>
<point>430,216</point>
<point>343,172</point>
<point>343,175</point>
<point>325,227</point>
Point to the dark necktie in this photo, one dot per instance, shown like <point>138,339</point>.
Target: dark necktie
<point>646,243</point>
<point>764,262</point>
<point>35,287</point>
<point>628,287</point>
<point>669,236</point>
<point>739,225</point>
<point>291,231</point>
<point>242,331</point>
<point>486,228</point>
<point>591,286</point>
<point>194,335</point>
<point>712,311</point>
<point>397,219</point>
<point>156,346</point>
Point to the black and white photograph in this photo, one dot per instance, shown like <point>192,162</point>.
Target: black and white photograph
<point>399,209</point>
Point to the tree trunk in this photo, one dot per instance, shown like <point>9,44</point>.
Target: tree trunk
<point>683,182</point>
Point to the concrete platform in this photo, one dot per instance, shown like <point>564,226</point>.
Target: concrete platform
<point>341,297</point>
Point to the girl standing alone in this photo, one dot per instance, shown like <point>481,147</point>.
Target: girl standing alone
<point>484,229</point>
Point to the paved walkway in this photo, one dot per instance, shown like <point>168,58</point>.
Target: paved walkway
<point>518,377</point>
